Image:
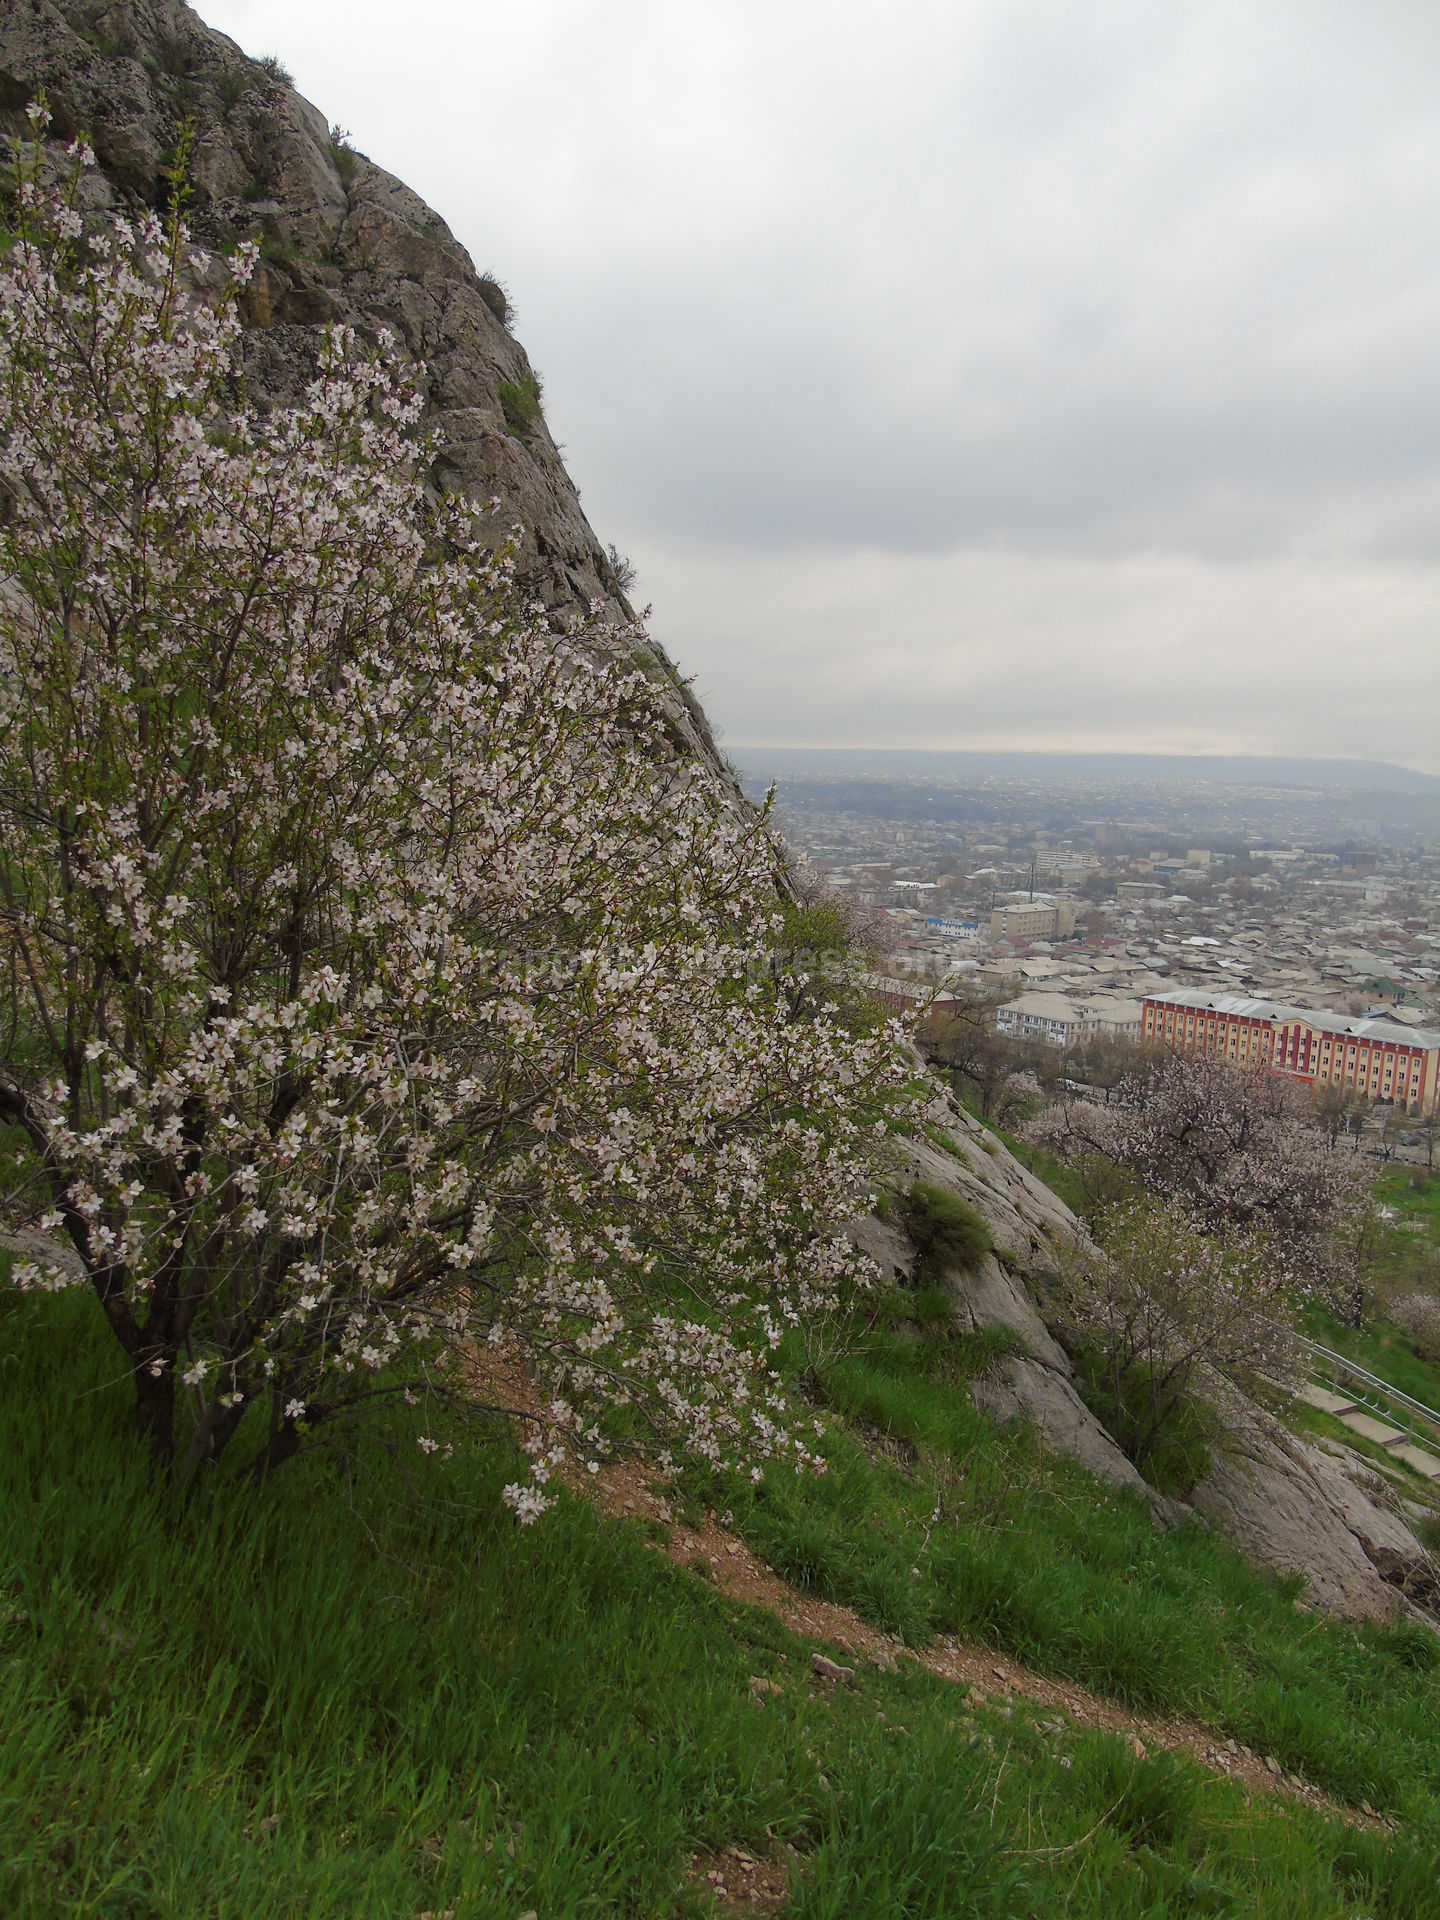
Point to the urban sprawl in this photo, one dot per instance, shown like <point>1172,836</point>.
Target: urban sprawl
<point>1314,952</point>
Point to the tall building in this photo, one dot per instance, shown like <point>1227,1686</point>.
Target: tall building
<point>1038,919</point>
<point>1379,1059</point>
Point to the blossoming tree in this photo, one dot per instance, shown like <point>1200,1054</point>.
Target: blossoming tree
<point>382,981</point>
<point>1234,1147</point>
<point>1166,1312</point>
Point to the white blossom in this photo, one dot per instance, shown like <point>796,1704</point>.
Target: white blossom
<point>440,998</point>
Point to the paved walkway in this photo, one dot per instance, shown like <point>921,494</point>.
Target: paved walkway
<point>1400,1443</point>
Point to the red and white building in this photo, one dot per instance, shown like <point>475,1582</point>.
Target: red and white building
<point>1377,1058</point>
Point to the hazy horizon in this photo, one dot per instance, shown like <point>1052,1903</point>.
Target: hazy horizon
<point>1419,776</point>
<point>1042,376</point>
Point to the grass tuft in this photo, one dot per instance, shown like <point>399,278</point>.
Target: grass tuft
<point>948,1233</point>
<point>520,404</point>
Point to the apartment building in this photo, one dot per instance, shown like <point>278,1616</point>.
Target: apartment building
<point>1379,1059</point>
<point>1061,1020</point>
<point>1038,919</point>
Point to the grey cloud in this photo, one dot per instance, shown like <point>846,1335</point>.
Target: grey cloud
<point>1143,298</point>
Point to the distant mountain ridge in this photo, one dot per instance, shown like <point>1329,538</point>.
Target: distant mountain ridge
<point>1350,776</point>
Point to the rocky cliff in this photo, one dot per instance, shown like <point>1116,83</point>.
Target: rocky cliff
<point>342,241</point>
<point>1291,1506</point>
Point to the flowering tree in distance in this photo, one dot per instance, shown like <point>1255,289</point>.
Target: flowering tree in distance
<point>1233,1146</point>
<point>1164,1308</point>
<point>381,980</point>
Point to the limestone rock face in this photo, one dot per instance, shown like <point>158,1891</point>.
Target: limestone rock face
<point>342,240</point>
<point>1289,1506</point>
<point>1025,1391</point>
<point>1296,1508</point>
<point>1029,1227</point>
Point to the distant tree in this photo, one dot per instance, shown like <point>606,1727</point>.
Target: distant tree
<point>1020,1095</point>
<point>1235,1148</point>
<point>1101,1060</point>
<point>623,568</point>
<point>1334,1103</point>
<point>963,1041</point>
<point>1163,1308</point>
<point>380,983</point>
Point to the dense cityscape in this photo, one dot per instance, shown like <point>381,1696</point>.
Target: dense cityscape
<point>1073,899</point>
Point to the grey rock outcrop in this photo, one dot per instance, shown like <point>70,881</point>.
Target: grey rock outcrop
<point>1297,1508</point>
<point>1290,1507</point>
<point>1023,1390</point>
<point>342,241</point>
<point>1029,1228</point>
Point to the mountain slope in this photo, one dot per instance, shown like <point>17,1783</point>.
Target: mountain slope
<point>342,242</point>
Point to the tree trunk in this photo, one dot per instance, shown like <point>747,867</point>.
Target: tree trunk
<point>282,1445</point>
<point>155,1412</point>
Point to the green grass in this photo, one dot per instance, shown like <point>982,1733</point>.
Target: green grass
<point>364,1691</point>
<point>1034,1557</point>
<point>520,404</point>
<point>1414,1193</point>
<point>948,1233</point>
<point>1382,1349</point>
<point>1408,1250</point>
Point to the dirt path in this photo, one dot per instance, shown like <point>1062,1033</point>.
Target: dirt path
<point>989,1678</point>
<point>742,1883</point>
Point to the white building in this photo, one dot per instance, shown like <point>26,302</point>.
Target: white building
<point>1062,1020</point>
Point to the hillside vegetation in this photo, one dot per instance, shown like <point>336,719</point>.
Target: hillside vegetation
<point>403,1004</point>
<point>366,1691</point>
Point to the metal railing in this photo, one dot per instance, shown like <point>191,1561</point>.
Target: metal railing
<point>1337,1363</point>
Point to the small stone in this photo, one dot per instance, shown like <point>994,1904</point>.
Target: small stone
<point>734,1546</point>
<point>830,1670</point>
<point>884,1660</point>
<point>1273,1765</point>
<point>1137,1747</point>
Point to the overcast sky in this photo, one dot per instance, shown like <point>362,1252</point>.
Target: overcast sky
<point>993,374</point>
